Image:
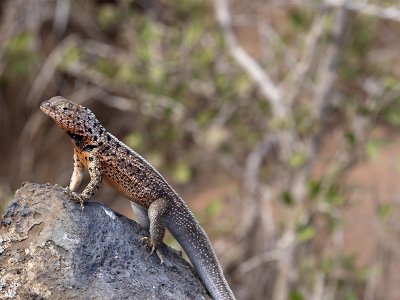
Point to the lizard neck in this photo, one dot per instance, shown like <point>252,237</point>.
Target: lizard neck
<point>93,137</point>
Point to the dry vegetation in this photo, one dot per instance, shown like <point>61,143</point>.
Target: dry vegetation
<point>277,99</point>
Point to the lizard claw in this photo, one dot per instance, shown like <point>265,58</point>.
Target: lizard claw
<point>75,197</point>
<point>146,240</point>
<point>150,243</point>
<point>160,256</point>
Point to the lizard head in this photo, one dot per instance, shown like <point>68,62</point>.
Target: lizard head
<point>77,121</point>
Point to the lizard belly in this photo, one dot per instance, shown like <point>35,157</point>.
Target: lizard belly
<point>130,189</point>
<point>82,156</point>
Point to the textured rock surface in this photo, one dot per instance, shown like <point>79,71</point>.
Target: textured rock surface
<point>49,248</point>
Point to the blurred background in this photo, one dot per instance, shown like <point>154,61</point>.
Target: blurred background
<point>277,121</point>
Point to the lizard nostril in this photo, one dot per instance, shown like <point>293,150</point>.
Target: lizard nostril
<point>44,104</point>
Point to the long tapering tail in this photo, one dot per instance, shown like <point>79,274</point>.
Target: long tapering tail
<point>191,236</point>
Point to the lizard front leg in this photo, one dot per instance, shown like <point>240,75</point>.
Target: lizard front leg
<point>96,177</point>
<point>77,174</point>
<point>157,227</point>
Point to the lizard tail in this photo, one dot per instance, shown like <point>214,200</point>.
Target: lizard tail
<point>194,240</point>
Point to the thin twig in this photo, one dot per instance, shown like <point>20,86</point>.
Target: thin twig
<point>251,182</point>
<point>295,79</point>
<point>389,13</point>
<point>262,79</point>
<point>329,68</point>
<point>49,67</point>
<point>258,261</point>
<point>61,16</point>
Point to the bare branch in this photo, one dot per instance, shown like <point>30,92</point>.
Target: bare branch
<point>61,15</point>
<point>254,162</point>
<point>258,260</point>
<point>49,67</point>
<point>389,13</point>
<point>262,79</point>
<point>298,75</point>
<point>286,245</point>
<point>319,284</point>
<point>286,241</point>
<point>329,67</point>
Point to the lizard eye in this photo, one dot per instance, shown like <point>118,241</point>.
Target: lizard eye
<point>65,108</point>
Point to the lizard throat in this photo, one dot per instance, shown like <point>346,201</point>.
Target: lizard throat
<point>77,139</point>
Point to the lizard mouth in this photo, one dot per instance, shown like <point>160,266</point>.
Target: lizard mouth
<point>45,107</point>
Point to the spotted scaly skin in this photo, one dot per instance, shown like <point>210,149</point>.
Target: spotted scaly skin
<point>155,203</point>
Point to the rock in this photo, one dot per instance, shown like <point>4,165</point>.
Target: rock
<point>50,249</point>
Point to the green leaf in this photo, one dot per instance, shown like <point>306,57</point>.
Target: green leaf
<point>334,222</point>
<point>373,147</point>
<point>350,295</point>
<point>126,73</point>
<point>72,56</point>
<point>314,187</point>
<point>392,116</point>
<point>214,207</point>
<point>306,233</point>
<point>385,210</point>
<point>334,196</point>
<point>20,57</point>
<point>156,159</point>
<point>134,140</point>
<point>287,198</point>
<point>108,16</point>
<point>205,117</point>
<point>364,36</point>
<point>296,295</point>
<point>298,19</point>
<point>157,73</point>
<point>351,139</point>
<point>194,32</point>
<point>327,265</point>
<point>347,262</point>
<point>391,83</point>
<point>20,43</point>
<point>106,67</point>
<point>203,58</point>
<point>148,31</point>
<point>182,173</point>
<point>365,273</point>
<point>297,159</point>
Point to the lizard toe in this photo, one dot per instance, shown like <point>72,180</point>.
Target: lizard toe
<point>154,249</point>
<point>75,197</point>
<point>160,256</point>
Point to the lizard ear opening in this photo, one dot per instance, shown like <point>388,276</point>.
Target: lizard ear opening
<point>89,148</point>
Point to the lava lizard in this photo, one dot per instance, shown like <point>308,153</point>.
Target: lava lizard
<point>155,203</point>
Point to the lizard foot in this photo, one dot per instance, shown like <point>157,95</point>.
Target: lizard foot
<point>75,197</point>
<point>150,243</point>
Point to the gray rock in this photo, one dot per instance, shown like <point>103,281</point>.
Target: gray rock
<point>50,249</point>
